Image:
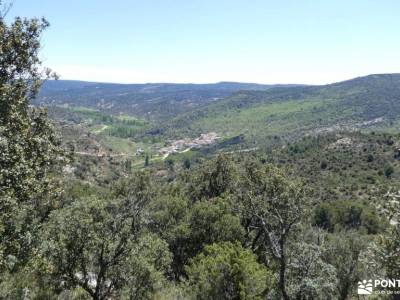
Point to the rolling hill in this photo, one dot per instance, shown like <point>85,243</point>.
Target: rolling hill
<point>312,128</point>
<point>153,101</point>
<point>371,102</point>
<point>243,115</point>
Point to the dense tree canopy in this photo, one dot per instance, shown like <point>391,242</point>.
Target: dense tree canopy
<point>30,150</point>
<point>228,271</point>
<point>98,245</point>
<point>293,222</point>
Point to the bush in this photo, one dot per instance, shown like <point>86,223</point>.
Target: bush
<point>348,215</point>
<point>388,171</point>
<point>227,271</point>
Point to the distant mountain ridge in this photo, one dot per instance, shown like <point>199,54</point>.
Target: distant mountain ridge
<point>256,112</point>
<point>372,101</point>
<point>153,101</point>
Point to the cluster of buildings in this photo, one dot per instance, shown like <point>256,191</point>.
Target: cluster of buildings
<point>186,144</point>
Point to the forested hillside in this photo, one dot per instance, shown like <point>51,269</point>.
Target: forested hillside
<point>367,102</point>
<point>165,191</point>
<point>153,101</point>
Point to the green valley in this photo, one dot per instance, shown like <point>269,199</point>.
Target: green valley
<point>195,191</point>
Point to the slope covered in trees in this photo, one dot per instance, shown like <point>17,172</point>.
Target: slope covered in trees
<point>153,101</point>
<point>367,102</point>
<point>299,220</point>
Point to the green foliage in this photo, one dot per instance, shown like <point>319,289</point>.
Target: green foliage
<point>323,217</point>
<point>169,164</point>
<point>152,101</point>
<point>388,252</point>
<point>309,276</point>
<point>138,187</point>
<point>348,215</point>
<point>98,245</point>
<point>169,219</point>
<point>273,205</point>
<point>212,222</point>
<point>186,163</point>
<point>349,174</point>
<point>388,171</point>
<point>386,247</point>
<point>147,268</point>
<point>344,253</point>
<point>214,179</point>
<point>30,150</point>
<point>189,227</point>
<point>227,271</point>
<point>368,102</point>
<point>234,226</point>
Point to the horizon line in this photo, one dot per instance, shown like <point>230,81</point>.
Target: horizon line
<point>218,82</point>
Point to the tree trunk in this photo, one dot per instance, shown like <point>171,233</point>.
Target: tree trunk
<point>282,270</point>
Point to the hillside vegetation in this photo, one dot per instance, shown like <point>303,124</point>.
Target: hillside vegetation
<point>371,102</point>
<point>153,101</point>
<point>270,194</point>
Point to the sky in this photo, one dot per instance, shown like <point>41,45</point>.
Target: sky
<point>264,41</point>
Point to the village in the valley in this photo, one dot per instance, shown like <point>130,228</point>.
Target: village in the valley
<point>186,144</point>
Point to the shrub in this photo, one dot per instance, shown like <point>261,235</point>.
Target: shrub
<point>227,271</point>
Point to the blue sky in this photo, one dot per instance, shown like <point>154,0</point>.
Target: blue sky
<point>281,41</point>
